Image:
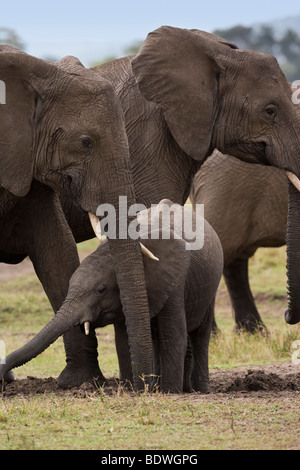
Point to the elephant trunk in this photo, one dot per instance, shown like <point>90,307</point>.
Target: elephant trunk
<point>64,320</point>
<point>292,315</point>
<point>129,268</point>
<point>133,294</point>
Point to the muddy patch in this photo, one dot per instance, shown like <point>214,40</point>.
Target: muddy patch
<point>271,379</point>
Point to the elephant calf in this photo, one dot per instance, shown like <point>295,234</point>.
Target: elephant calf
<point>181,287</point>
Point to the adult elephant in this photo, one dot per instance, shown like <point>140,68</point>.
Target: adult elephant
<point>62,130</point>
<point>187,93</point>
<point>247,205</point>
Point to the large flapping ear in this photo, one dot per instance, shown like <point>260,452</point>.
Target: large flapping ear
<point>164,276</point>
<point>177,69</point>
<point>23,77</point>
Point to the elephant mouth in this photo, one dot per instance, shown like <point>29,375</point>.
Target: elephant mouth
<point>95,223</point>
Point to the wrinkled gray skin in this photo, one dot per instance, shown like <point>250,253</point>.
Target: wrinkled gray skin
<point>62,132</point>
<point>184,94</point>
<point>247,206</point>
<point>180,287</point>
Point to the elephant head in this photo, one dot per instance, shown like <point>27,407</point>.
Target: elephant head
<point>63,125</point>
<point>214,95</point>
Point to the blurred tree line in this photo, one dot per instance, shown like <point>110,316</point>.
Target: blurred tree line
<point>264,39</point>
<point>128,50</point>
<point>286,48</point>
<point>10,37</point>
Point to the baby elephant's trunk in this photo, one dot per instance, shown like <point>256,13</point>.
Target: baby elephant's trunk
<point>63,321</point>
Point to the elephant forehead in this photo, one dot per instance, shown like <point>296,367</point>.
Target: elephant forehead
<point>87,279</point>
<point>262,68</point>
<point>94,270</point>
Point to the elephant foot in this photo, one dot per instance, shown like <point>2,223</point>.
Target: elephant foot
<point>200,384</point>
<point>73,376</point>
<point>8,377</point>
<point>82,360</point>
<point>252,326</point>
<point>202,387</point>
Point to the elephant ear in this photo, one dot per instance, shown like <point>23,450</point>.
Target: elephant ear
<point>178,69</point>
<point>23,76</point>
<point>70,64</point>
<point>163,277</point>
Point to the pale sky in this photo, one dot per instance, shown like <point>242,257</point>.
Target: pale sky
<point>92,29</point>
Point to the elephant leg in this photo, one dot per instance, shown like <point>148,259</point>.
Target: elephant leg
<point>172,344</point>
<point>200,343</point>
<point>188,366</point>
<point>214,329</point>
<point>155,382</point>
<point>54,255</point>
<point>82,360</point>
<point>245,312</point>
<point>123,352</point>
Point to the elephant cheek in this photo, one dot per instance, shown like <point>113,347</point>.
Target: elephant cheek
<point>292,315</point>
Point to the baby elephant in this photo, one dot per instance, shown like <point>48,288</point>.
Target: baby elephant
<point>181,286</point>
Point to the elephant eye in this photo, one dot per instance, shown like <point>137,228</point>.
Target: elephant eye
<point>86,141</point>
<point>101,290</point>
<point>271,112</point>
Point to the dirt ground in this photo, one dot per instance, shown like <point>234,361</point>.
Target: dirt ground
<point>259,381</point>
<point>251,381</point>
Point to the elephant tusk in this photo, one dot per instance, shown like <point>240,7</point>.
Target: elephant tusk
<point>293,179</point>
<point>97,229</point>
<point>148,252</point>
<point>87,327</point>
<point>95,223</point>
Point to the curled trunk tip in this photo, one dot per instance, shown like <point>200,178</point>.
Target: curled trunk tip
<point>292,318</point>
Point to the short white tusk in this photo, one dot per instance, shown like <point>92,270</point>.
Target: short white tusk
<point>148,252</point>
<point>95,222</point>
<point>87,327</point>
<point>293,179</point>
